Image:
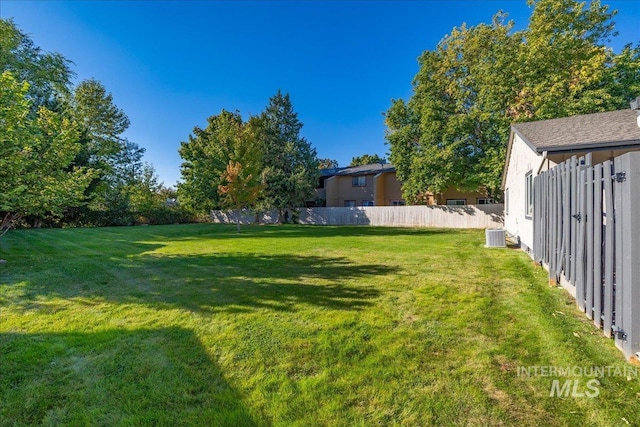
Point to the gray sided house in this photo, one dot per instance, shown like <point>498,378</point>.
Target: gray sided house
<point>535,147</point>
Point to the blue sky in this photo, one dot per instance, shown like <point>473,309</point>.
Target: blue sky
<point>172,64</point>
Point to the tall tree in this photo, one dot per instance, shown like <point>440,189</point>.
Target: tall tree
<point>565,61</point>
<point>36,154</point>
<point>207,154</point>
<point>290,166</point>
<point>102,124</point>
<point>454,129</point>
<point>327,163</point>
<point>98,125</point>
<point>367,159</point>
<point>48,74</point>
<point>117,160</point>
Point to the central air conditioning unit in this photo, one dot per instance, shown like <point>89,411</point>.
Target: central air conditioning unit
<point>495,238</point>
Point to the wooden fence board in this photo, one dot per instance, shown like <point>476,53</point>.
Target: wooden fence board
<point>560,226</point>
<point>618,273</point>
<point>581,222</point>
<point>609,248</point>
<point>553,182</point>
<point>589,266</point>
<point>597,246</point>
<point>574,223</point>
<point>629,268</point>
<point>566,221</point>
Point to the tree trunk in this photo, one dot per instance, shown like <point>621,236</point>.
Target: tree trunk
<point>8,222</point>
<point>238,222</point>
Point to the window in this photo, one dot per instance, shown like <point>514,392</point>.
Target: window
<point>528,195</point>
<point>484,201</point>
<point>349,203</point>
<point>456,202</point>
<point>359,181</point>
<point>367,203</point>
<point>397,203</point>
<point>506,201</point>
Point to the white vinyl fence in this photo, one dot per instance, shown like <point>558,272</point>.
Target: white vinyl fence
<point>479,216</point>
<point>587,233</point>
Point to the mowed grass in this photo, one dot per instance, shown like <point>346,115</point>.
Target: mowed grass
<point>290,326</point>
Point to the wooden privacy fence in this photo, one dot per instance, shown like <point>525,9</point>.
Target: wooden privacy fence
<point>470,216</point>
<point>587,233</point>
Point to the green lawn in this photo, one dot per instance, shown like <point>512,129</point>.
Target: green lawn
<point>290,325</point>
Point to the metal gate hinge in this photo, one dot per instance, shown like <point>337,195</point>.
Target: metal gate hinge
<point>619,333</point>
<point>619,177</point>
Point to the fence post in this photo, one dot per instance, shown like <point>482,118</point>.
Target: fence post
<point>628,278</point>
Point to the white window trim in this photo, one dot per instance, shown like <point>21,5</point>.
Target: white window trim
<point>506,201</point>
<point>528,195</point>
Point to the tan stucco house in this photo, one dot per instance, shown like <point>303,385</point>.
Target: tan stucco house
<point>369,185</point>
<point>538,146</point>
<point>377,185</point>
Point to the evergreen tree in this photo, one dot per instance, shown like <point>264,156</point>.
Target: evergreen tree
<point>290,165</point>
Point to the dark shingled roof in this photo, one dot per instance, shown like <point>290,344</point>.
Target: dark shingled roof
<point>375,168</point>
<point>597,130</point>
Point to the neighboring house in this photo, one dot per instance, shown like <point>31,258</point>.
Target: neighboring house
<point>368,185</point>
<point>537,146</point>
<point>377,185</point>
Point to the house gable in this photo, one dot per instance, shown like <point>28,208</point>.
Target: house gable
<point>535,146</point>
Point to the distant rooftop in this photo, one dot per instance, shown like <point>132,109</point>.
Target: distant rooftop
<point>588,131</point>
<point>359,170</point>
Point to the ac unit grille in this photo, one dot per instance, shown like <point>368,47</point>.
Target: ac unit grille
<point>495,238</point>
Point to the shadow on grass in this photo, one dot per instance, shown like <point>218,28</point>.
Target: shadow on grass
<point>234,282</point>
<point>114,377</point>
<point>225,231</point>
<point>117,264</point>
<point>240,282</point>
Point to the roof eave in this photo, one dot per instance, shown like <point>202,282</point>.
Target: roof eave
<point>601,146</point>
<point>508,157</point>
